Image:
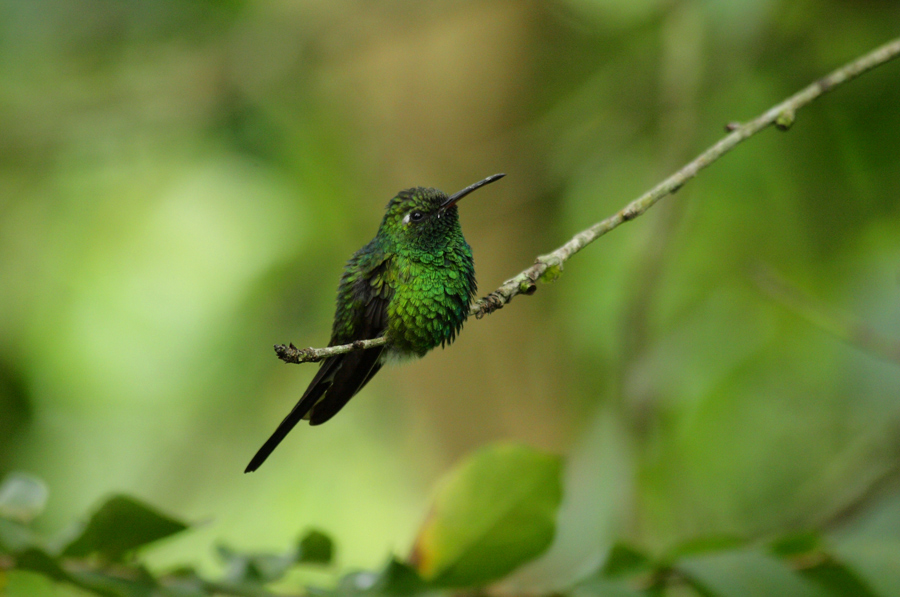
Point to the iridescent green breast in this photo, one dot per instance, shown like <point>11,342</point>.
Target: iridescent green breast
<point>432,293</point>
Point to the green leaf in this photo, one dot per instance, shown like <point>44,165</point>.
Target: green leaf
<point>796,544</point>
<point>704,545</point>
<point>37,560</point>
<point>493,513</point>
<point>398,578</point>
<point>120,525</point>
<point>315,548</point>
<point>876,562</point>
<point>22,497</point>
<point>23,583</point>
<point>624,560</point>
<point>140,584</point>
<point>837,579</point>
<point>745,574</point>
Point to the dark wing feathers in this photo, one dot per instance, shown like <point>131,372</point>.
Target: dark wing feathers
<point>362,365</point>
<point>340,377</point>
<point>356,369</point>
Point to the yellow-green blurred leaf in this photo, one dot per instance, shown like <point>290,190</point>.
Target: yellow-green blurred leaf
<point>495,512</point>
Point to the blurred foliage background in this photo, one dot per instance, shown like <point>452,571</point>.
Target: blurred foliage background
<point>181,183</point>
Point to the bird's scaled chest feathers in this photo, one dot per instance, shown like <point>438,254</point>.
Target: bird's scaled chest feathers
<point>430,301</point>
<point>418,301</point>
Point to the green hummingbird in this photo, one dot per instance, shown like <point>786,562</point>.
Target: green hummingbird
<point>413,283</point>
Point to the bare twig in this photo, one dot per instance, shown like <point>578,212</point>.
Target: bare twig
<point>548,267</point>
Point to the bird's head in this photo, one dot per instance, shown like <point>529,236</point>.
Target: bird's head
<point>425,219</point>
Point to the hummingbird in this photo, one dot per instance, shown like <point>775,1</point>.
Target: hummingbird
<point>413,284</point>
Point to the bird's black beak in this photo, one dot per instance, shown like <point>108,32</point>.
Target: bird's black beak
<point>457,196</point>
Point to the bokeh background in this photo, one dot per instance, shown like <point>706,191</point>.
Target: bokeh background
<point>181,183</point>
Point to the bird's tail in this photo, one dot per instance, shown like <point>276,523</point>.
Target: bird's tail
<point>310,397</point>
<point>338,379</point>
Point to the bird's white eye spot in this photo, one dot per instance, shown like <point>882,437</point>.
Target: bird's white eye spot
<point>413,216</point>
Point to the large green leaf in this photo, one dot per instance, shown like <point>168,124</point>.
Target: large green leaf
<point>493,513</point>
<point>119,526</point>
<point>745,573</point>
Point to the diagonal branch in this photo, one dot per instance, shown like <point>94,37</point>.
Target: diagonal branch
<point>548,267</point>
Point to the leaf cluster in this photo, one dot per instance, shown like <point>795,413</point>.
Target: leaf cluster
<point>494,513</point>
<point>100,554</point>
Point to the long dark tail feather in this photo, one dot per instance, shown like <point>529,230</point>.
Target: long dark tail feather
<point>336,382</point>
<point>318,386</point>
<point>294,417</point>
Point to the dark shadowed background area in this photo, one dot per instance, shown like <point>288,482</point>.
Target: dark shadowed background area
<point>182,182</point>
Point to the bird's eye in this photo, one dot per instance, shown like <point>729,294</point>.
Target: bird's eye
<point>416,216</point>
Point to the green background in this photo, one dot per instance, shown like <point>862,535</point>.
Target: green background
<point>181,183</point>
